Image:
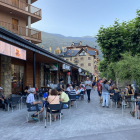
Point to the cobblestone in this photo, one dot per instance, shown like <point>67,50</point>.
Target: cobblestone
<point>87,121</point>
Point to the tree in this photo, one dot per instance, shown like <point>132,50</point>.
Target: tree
<point>120,38</point>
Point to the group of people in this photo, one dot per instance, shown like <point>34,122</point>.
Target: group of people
<point>53,96</point>
<point>108,89</point>
<point>57,96</point>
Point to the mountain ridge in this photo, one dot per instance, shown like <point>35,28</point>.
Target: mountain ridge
<point>58,40</point>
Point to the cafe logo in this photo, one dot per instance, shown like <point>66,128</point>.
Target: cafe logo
<point>17,53</point>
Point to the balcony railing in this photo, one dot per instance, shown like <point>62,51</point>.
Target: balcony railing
<point>23,6</point>
<point>22,31</point>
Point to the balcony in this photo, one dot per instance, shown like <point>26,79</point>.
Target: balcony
<point>21,7</point>
<point>29,34</point>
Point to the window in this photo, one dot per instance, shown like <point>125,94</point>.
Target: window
<point>68,54</point>
<point>81,58</point>
<point>15,24</point>
<point>67,59</point>
<point>83,53</point>
<point>89,64</point>
<point>89,58</point>
<point>82,65</point>
<point>70,59</point>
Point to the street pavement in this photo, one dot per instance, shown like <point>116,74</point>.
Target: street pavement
<point>89,121</point>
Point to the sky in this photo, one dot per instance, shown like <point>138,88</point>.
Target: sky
<point>80,18</point>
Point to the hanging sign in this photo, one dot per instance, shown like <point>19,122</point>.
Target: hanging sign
<point>66,67</point>
<point>53,67</point>
<point>80,70</point>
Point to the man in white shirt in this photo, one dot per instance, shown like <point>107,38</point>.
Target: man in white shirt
<point>30,99</point>
<point>88,86</point>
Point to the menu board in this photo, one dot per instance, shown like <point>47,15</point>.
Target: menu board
<point>13,51</point>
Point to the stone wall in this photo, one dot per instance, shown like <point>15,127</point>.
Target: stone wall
<point>41,75</point>
<point>6,74</point>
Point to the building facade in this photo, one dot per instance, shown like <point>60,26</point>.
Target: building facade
<point>85,57</point>
<point>17,17</point>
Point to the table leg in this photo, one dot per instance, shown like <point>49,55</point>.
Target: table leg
<point>122,108</point>
<point>21,102</point>
<point>8,106</point>
<point>135,111</point>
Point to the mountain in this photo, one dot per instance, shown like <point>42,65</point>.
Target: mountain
<point>58,40</point>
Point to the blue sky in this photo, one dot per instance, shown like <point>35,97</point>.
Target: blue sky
<point>79,18</point>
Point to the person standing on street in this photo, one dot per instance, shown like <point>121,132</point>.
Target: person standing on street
<point>88,86</point>
<point>99,89</point>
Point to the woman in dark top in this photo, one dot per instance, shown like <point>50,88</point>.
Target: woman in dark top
<point>26,92</point>
<point>130,90</point>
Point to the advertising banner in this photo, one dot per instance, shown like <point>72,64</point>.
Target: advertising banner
<point>13,51</point>
<point>53,67</point>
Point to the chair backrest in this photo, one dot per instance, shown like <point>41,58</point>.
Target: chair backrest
<point>55,107</point>
<point>67,92</point>
<point>82,92</point>
<point>67,103</point>
<point>24,98</point>
<point>72,97</point>
<point>15,99</point>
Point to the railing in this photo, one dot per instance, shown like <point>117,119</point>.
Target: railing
<point>22,31</point>
<point>23,6</point>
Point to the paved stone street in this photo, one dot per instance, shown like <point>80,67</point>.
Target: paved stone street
<point>88,121</point>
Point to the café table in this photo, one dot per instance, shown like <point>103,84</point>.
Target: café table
<point>132,100</point>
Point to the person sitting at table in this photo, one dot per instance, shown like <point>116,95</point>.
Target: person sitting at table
<point>36,88</point>
<point>115,91</point>
<point>74,92</point>
<point>30,99</point>
<point>129,90</point>
<point>26,92</point>
<point>3,100</point>
<point>82,88</point>
<point>46,94</point>
<point>29,87</point>
<point>53,98</point>
<point>68,87</point>
<point>63,97</point>
<point>71,88</point>
<point>130,93</point>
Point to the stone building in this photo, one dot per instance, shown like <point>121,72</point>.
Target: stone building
<point>85,57</point>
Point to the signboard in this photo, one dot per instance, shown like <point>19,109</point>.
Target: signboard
<point>80,70</point>
<point>66,67</point>
<point>13,51</point>
<point>53,67</point>
<point>82,74</point>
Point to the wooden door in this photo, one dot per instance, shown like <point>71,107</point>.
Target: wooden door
<point>15,25</point>
<point>15,3</point>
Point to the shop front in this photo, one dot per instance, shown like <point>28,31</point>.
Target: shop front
<point>23,63</point>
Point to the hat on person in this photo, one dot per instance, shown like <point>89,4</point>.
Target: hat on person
<point>1,88</point>
<point>32,90</point>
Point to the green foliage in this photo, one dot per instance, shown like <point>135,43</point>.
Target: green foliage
<point>120,45</point>
<point>128,68</point>
<point>120,38</point>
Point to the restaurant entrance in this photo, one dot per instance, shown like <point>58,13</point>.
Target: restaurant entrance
<point>17,78</point>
